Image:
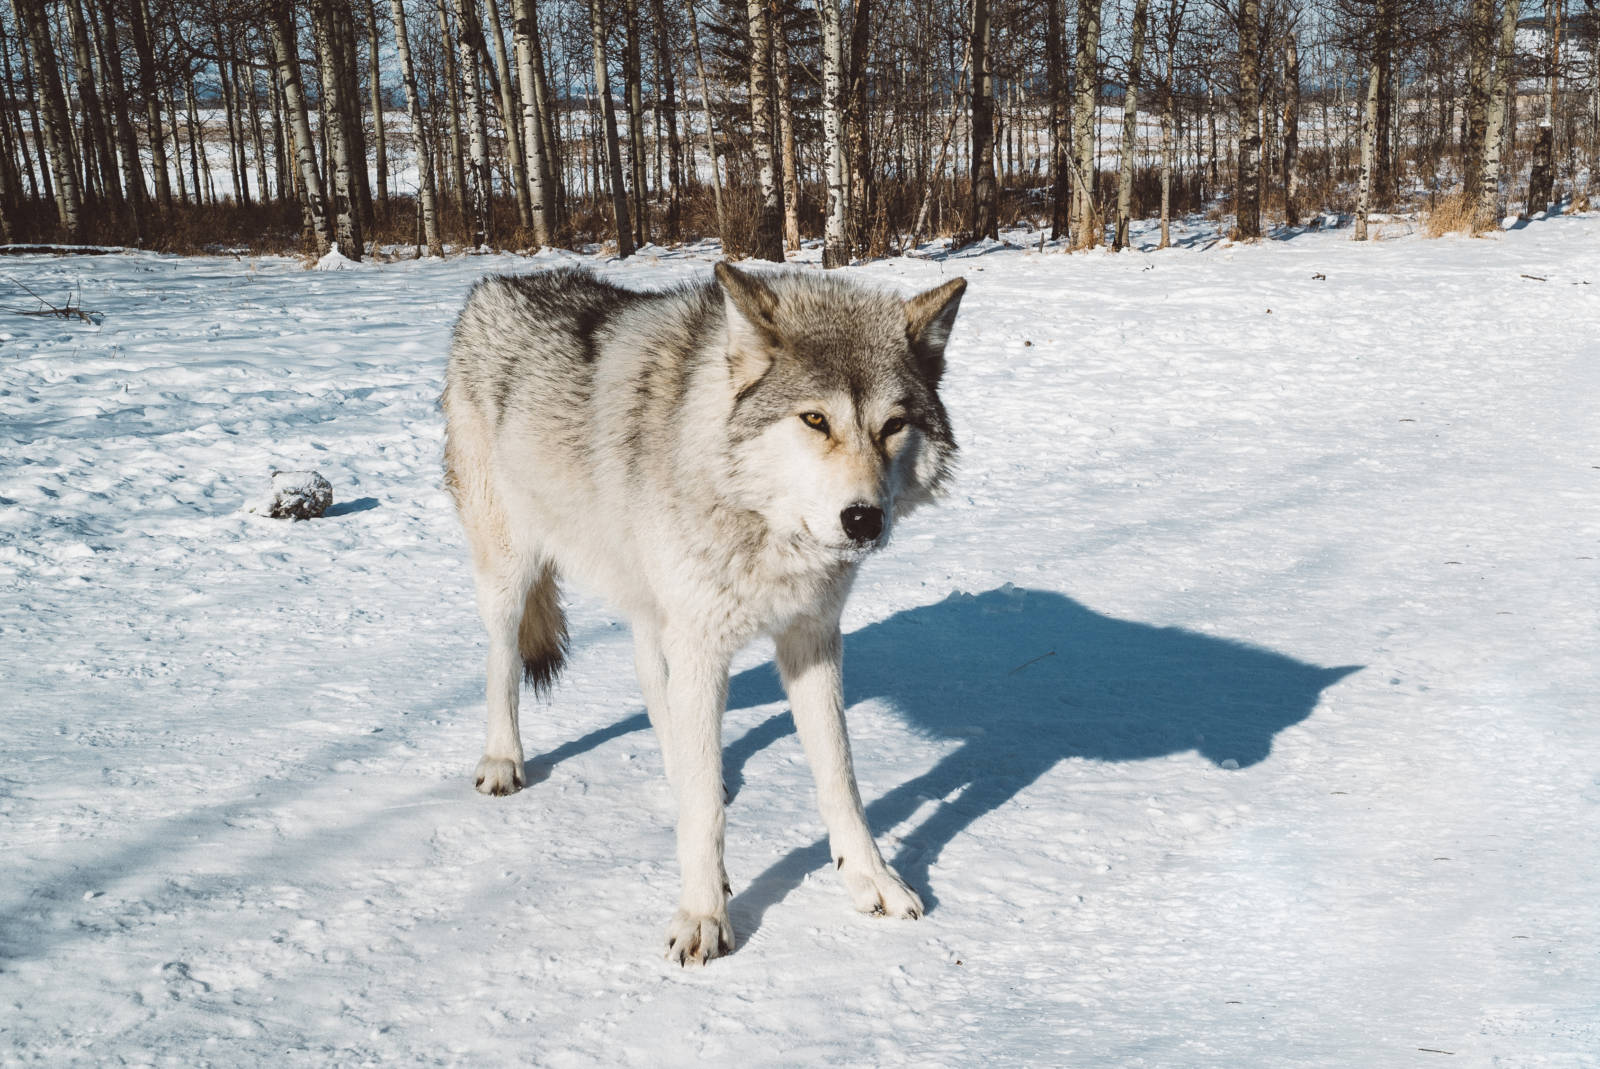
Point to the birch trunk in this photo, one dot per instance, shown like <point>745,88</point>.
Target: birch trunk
<point>1480,73</point>
<point>144,47</point>
<point>57,117</point>
<point>523,31</point>
<point>458,152</point>
<point>1086,226</point>
<point>1169,119</point>
<point>666,87</point>
<point>501,86</point>
<point>94,112</point>
<point>791,178</point>
<point>705,104</point>
<point>985,190</point>
<point>633,97</point>
<point>1291,129</point>
<point>1491,204</point>
<point>1060,123</point>
<point>608,119</point>
<point>429,203</point>
<point>342,160</point>
<point>1247,191</point>
<point>863,187</point>
<point>769,214</point>
<point>468,41</point>
<point>836,231</point>
<point>257,136</point>
<point>294,98</point>
<point>380,143</point>
<point>1369,126</point>
<point>1130,126</point>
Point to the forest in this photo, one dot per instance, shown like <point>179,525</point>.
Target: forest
<point>868,125</point>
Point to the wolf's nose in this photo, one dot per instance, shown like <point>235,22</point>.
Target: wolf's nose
<point>862,523</point>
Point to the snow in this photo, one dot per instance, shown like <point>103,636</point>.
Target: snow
<point>1236,709</point>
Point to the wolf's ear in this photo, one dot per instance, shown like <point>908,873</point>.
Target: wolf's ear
<point>752,322</point>
<point>929,317</point>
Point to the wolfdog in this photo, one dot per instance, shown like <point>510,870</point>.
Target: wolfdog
<point>716,460</point>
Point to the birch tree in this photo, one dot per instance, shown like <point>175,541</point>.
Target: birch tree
<point>985,190</point>
<point>1086,227</point>
<point>57,117</point>
<point>769,212</point>
<point>1169,149</point>
<point>144,47</point>
<point>633,97</point>
<point>510,110</point>
<point>380,143</point>
<point>523,33</point>
<point>425,180</point>
<point>1247,190</point>
<point>339,107</point>
<point>1060,112</point>
<point>608,119</point>
<point>705,104</point>
<point>478,192</point>
<point>666,90</point>
<point>1291,126</point>
<point>1130,125</point>
<point>836,234</point>
<point>286,57</point>
<point>1491,204</point>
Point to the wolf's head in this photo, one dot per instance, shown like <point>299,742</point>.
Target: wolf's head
<point>837,427</point>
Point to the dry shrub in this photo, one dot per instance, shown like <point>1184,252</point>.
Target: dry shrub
<point>1456,214</point>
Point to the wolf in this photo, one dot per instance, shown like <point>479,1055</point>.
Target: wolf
<point>716,460</point>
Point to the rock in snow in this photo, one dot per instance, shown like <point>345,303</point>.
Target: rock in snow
<point>297,495</point>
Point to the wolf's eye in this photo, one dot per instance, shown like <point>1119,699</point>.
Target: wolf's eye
<point>893,427</point>
<point>815,420</point>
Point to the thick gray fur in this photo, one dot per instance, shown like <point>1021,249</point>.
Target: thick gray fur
<point>701,457</point>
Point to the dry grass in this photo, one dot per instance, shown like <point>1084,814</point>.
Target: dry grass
<point>1457,214</point>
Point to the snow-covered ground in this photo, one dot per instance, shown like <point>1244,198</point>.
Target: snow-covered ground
<point>1238,709</point>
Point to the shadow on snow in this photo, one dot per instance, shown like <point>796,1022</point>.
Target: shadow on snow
<point>1026,679</point>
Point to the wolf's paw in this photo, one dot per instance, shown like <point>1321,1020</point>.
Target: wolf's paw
<point>499,775</point>
<point>694,939</point>
<point>880,891</point>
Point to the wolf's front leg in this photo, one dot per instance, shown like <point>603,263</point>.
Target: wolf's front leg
<point>809,658</point>
<point>697,688</point>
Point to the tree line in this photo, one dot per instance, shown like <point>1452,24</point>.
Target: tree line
<point>867,124</point>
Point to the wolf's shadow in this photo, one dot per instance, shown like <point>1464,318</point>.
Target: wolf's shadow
<point>1026,679</point>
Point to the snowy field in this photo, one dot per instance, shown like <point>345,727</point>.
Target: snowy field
<point>1239,708</point>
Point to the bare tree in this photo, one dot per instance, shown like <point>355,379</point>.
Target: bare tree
<point>425,181</point>
<point>836,235</point>
<point>608,117</point>
<point>768,236</point>
<point>1291,126</point>
<point>1086,226</point>
<point>286,58</point>
<point>1491,203</point>
<point>985,190</point>
<point>1247,191</point>
<point>1130,124</point>
<point>524,32</point>
<point>478,191</point>
<point>705,104</point>
<point>57,117</point>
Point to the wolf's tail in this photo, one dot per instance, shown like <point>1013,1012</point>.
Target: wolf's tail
<point>542,635</point>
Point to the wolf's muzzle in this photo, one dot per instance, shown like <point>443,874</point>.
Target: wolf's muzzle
<point>862,523</point>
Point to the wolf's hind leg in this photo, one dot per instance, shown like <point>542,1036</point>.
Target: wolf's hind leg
<point>809,659</point>
<point>521,612</point>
